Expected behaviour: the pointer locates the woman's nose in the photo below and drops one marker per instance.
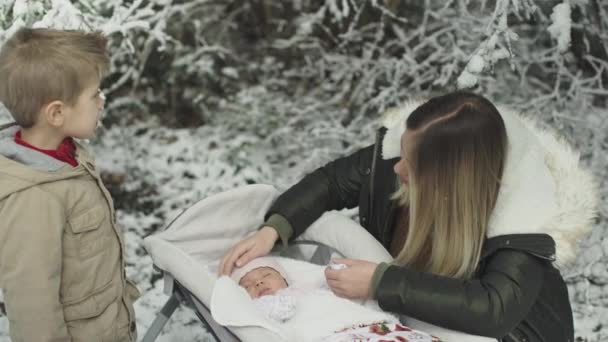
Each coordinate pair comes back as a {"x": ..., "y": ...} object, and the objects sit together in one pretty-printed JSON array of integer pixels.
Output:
[
  {"x": 397, "y": 166},
  {"x": 259, "y": 282},
  {"x": 401, "y": 171}
]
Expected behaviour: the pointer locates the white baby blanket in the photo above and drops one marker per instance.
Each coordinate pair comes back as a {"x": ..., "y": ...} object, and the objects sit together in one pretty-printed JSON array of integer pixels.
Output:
[
  {"x": 189, "y": 249},
  {"x": 319, "y": 313}
]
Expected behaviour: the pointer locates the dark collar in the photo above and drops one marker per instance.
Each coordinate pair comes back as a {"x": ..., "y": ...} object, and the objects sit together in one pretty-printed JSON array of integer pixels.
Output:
[{"x": 540, "y": 245}]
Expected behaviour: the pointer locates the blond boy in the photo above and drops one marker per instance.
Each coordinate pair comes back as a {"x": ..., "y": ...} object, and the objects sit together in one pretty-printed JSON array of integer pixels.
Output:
[{"x": 61, "y": 253}]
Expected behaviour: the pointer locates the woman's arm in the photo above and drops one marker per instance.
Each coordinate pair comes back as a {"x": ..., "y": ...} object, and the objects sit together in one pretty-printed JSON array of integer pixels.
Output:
[
  {"x": 334, "y": 186},
  {"x": 491, "y": 305}
]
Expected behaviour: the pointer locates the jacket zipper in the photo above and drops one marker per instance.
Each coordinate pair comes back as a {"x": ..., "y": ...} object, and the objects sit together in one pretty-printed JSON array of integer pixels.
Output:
[
  {"x": 514, "y": 338},
  {"x": 372, "y": 175},
  {"x": 389, "y": 220},
  {"x": 384, "y": 229}
]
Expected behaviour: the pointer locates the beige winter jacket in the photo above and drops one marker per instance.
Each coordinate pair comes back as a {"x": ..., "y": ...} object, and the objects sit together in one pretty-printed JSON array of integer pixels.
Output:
[{"x": 61, "y": 253}]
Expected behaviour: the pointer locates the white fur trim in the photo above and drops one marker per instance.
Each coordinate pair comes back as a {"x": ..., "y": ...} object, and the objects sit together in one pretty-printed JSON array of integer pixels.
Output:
[
  {"x": 394, "y": 121},
  {"x": 544, "y": 189}
]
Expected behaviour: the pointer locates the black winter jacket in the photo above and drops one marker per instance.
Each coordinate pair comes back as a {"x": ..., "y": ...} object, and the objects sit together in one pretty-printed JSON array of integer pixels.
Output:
[{"x": 516, "y": 294}]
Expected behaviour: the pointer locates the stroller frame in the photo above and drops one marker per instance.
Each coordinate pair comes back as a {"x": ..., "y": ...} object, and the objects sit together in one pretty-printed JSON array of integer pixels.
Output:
[{"x": 182, "y": 296}]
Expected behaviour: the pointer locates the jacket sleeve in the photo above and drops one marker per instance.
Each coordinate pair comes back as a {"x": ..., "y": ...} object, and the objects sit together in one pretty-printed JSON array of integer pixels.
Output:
[
  {"x": 31, "y": 233},
  {"x": 334, "y": 186},
  {"x": 492, "y": 304}
]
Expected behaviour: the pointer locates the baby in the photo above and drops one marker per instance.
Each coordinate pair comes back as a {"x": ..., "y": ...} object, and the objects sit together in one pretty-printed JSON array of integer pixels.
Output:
[
  {"x": 266, "y": 282},
  {"x": 276, "y": 296},
  {"x": 261, "y": 277}
]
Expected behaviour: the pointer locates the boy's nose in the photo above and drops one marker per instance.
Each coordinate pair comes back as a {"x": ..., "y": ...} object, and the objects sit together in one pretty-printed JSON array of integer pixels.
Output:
[{"x": 102, "y": 100}]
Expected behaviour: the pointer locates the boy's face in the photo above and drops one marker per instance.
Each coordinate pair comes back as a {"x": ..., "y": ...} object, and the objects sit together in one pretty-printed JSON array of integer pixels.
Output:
[
  {"x": 82, "y": 117},
  {"x": 262, "y": 281}
]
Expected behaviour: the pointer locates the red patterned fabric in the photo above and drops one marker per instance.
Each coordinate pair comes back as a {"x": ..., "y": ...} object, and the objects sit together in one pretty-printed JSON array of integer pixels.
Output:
[{"x": 381, "y": 332}]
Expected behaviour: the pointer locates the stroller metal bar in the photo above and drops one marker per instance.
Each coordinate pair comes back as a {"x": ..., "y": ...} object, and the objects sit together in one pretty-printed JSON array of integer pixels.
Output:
[
  {"x": 219, "y": 333},
  {"x": 162, "y": 317},
  {"x": 322, "y": 254},
  {"x": 182, "y": 296}
]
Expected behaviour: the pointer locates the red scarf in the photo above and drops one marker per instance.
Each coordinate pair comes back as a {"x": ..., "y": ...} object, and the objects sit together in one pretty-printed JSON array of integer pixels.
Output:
[{"x": 66, "y": 152}]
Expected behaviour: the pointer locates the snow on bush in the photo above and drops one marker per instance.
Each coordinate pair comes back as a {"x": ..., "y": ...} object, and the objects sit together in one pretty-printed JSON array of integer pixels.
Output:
[
  {"x": 207, "y": 95},
  {"x": 561, "y": 26}
]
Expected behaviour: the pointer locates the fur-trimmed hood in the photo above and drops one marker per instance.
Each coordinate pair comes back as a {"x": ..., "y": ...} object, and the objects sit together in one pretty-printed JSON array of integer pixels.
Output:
[{"x": 544, "y": 189}]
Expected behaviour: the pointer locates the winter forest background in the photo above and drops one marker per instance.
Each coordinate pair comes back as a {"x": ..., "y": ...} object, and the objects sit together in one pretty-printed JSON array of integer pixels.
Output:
[{"x": 207, "y": 95}]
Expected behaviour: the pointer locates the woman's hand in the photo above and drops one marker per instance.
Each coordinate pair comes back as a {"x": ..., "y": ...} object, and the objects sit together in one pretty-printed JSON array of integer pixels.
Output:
[
  {"x": 257, "y": 245},
  {"x": 354, "y": 281}
]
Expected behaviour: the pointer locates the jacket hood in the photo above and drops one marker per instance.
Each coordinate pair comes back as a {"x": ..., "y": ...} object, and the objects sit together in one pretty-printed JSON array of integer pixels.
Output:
[
  {"x": 544, "y": 189},
  {"x": 22, "y": 168}
]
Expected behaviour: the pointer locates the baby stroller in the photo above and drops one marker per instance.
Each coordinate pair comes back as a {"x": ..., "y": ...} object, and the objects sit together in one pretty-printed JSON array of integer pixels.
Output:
[
  {"x": 189, "y": 248},
  {"x": 188, "y": 251}
]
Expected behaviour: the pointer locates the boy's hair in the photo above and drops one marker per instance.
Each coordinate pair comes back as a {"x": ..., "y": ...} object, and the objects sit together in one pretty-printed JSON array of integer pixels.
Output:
[{"x": 38, "y": 66}]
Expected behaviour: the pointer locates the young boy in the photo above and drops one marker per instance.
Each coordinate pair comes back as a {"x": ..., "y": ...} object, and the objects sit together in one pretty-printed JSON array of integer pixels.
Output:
[{"x": 62, "y": 265}]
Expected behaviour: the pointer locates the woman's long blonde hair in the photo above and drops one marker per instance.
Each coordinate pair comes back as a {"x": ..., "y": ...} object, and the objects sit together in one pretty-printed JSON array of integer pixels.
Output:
[{"x": 456, "y": 169}]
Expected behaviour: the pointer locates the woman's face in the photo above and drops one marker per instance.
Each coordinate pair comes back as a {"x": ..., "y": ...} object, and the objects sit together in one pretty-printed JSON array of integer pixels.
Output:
[
  {"x": 262, "y": 281},
  {"x": 403, "y": 167}
]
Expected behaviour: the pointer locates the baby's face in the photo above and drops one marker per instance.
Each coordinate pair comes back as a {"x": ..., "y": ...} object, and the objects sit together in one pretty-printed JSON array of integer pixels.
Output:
[{"x": 262, "y": 281}]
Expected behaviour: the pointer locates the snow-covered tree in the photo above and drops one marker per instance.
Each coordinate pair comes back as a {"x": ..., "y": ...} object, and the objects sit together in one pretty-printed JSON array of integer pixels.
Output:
[{"x": 265, "y": 90}]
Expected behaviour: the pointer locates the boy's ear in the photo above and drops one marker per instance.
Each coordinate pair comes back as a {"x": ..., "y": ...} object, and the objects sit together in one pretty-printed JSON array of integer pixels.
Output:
[{"x": 53, "y": 113}]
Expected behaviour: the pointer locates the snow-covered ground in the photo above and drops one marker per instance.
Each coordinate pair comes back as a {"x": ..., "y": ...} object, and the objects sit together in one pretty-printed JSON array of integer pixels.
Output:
[
  {"x": 261, "y": 137},
  {"x": 168, "y": 169}
]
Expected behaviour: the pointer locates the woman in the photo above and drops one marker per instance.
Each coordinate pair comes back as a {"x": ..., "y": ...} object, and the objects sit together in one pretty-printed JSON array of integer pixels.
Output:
[{"x": 471, "y": 222}]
